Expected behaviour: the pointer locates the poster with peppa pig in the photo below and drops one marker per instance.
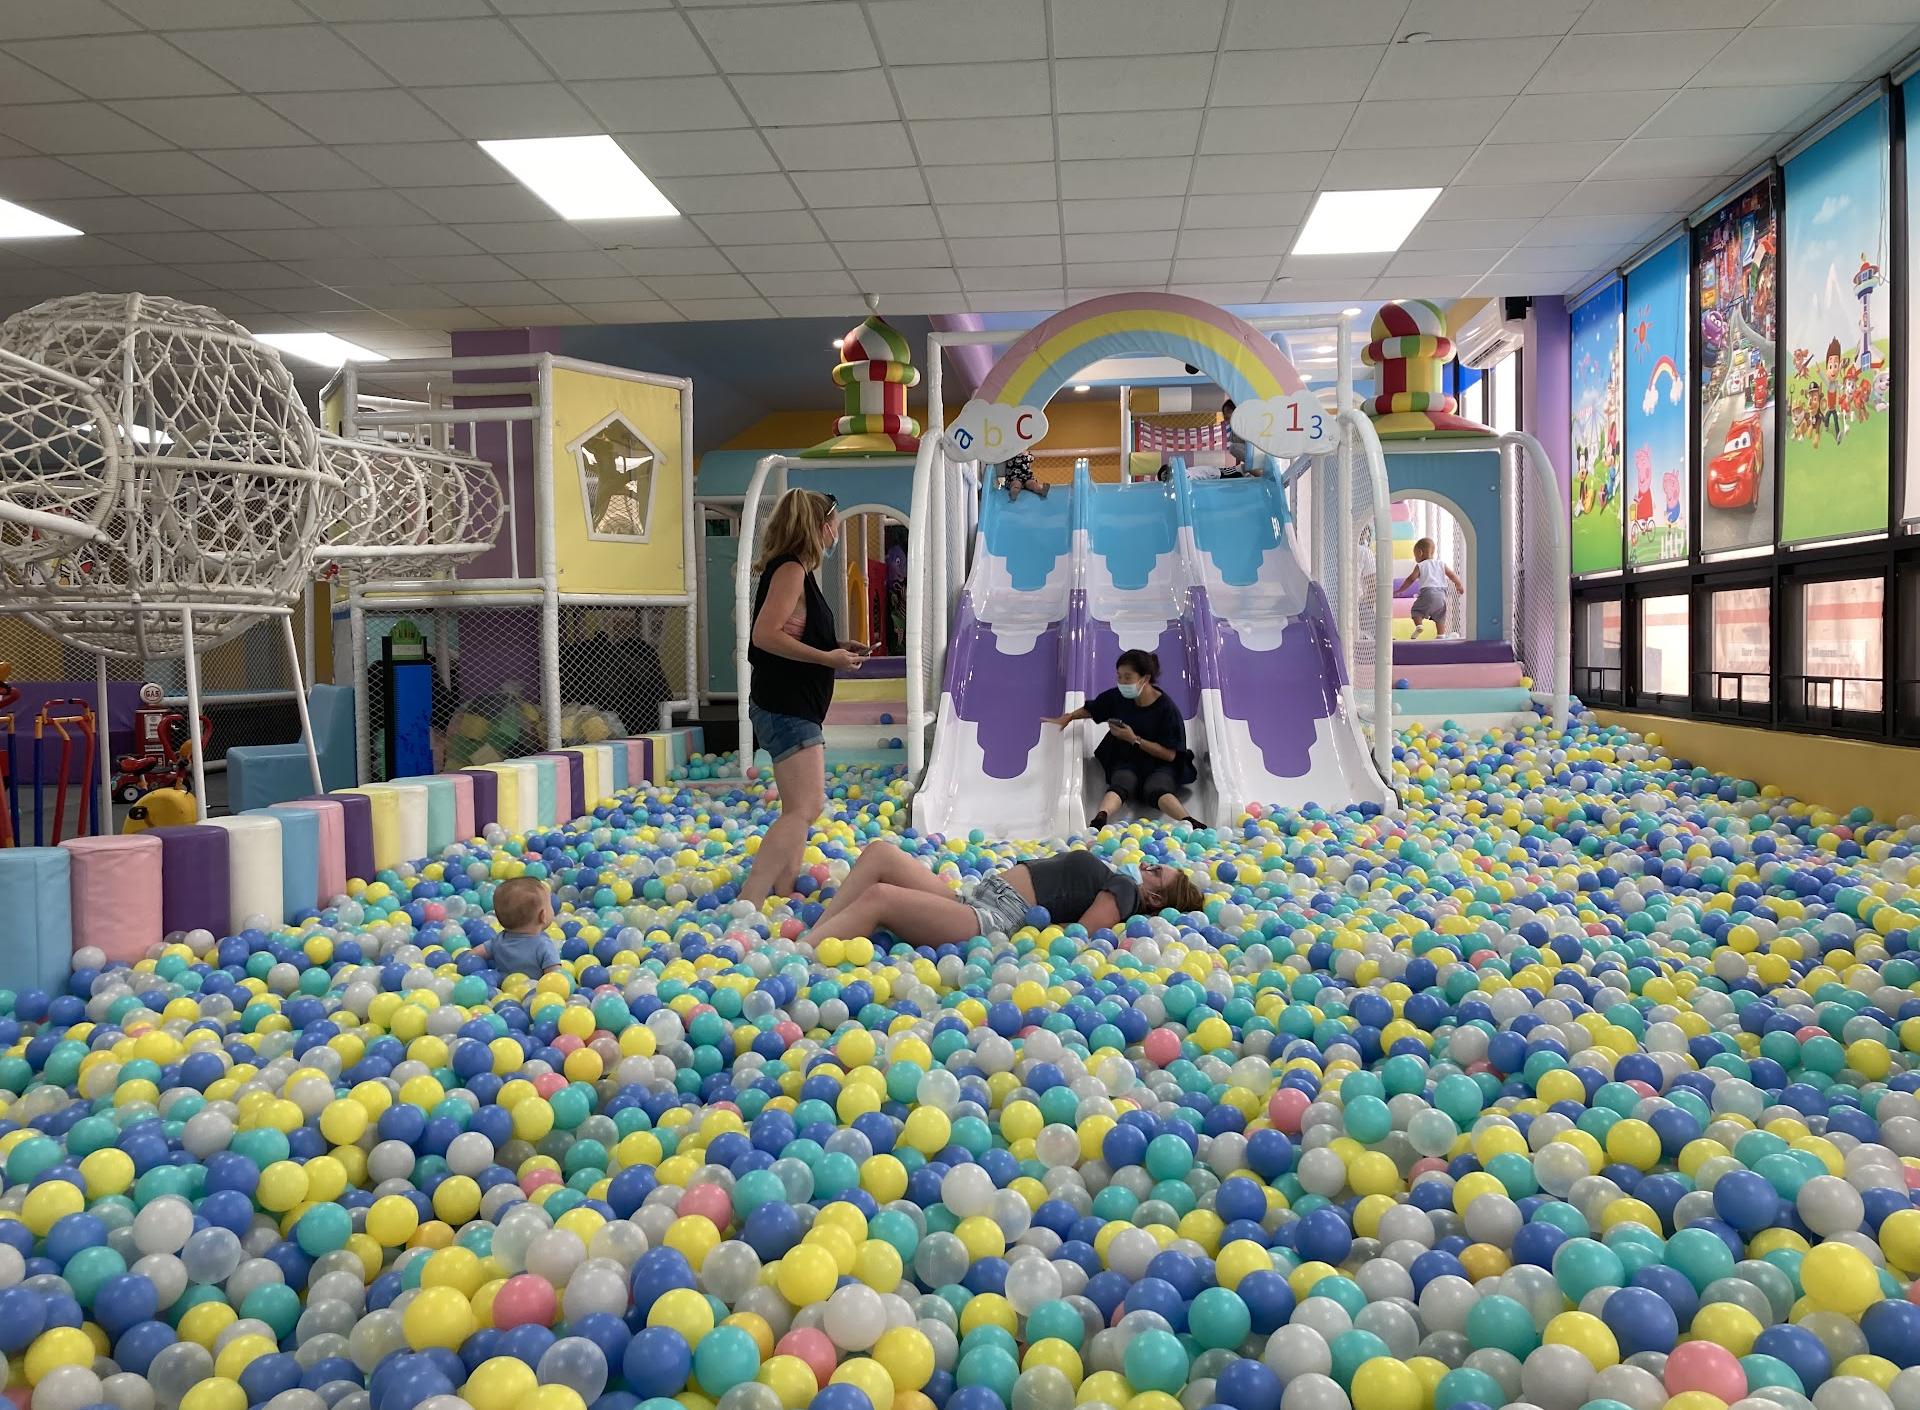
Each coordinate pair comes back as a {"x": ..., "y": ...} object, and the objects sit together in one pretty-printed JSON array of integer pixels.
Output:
[{"x": 1656, "y": 398}]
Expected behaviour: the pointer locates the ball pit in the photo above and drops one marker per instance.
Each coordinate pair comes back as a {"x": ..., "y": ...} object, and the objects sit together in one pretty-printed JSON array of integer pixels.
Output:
[{"x": 1589, "y": 1083}]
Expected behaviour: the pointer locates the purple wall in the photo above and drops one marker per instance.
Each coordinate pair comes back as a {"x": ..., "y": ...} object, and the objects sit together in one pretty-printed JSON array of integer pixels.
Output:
[
  {"x": 1546, "y": 374},
  {"x": 499, "y": 561}
]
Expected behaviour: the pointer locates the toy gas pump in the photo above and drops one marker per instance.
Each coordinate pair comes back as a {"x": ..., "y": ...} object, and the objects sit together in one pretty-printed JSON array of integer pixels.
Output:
[{"x": 163, "y": 749}]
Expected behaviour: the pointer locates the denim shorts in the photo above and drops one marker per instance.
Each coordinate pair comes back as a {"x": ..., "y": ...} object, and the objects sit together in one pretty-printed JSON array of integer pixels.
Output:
[
  {"x": 996, "y": 905},
  {"x": 783, "y": 736}
]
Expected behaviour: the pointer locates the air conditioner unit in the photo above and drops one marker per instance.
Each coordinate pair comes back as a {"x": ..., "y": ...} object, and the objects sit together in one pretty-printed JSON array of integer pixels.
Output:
[{"x": 1499, "y": 328}]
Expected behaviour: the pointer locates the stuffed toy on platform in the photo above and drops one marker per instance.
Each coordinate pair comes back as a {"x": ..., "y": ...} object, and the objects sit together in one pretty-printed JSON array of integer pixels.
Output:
[
  {"x": 1409, "y": 354},
  {"x": 875, "y": 370}
]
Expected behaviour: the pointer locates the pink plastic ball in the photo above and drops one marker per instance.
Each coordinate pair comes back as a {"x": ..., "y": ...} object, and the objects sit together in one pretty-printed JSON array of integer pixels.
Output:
[
  {"x": 789, "y": 1031},
  {"x": 547, "y": 1083},
  {"x": 435, "y": 911},
  {"x": 709, "y": 1200},
  {"x": 812, "y": 1346},
  {"x": 1162, "y": 1047},
  {"x": 534, "y": 1179},
  {"x": 1285, "y": 1109},
  {"x": 523, "y": 1298},
  {"x": 1700, "y": 1365},
  {"x": 566, "y": 1043}
]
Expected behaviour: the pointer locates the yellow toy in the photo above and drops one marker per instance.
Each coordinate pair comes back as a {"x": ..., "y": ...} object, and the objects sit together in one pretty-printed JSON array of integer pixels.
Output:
[{"x": 163, "y": 807}]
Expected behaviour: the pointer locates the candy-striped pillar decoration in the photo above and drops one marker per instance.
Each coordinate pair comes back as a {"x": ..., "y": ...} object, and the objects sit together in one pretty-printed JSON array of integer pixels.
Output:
[
  {"x": 1409, "y": 354},
  {"x": 875, "y": 370}
]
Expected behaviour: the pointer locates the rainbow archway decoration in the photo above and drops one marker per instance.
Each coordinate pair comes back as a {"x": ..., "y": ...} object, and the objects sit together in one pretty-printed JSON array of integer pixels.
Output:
[{"x": 1007, "y": 414}]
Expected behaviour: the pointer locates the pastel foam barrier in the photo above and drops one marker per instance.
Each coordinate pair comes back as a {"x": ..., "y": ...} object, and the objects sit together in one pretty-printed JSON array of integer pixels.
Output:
[
  {"x": 116, "y": 895},
  {"x": 410, "y": 818},
  {"x": 384, "y": 819},
  {"x": 36, "y": 897},
  {"x": 254, "y": 885},
  {"x": 639, "y": 761},
  {"x": 358, "y": 816},
  {"x": 440, "y": 810},
  {"x": 485, "y": 784},
  {"x": 550, "y": 786},
  {"x": 461, "y": 786},
  {"x": 194, "y": 885},
  {"x": 299, "y": 859},
  {"x": 330, "y": 855},
  {"x": 602, "y": 757},
  {"x": 506, "y": 796},
  {"x": 528, "y": 815}
]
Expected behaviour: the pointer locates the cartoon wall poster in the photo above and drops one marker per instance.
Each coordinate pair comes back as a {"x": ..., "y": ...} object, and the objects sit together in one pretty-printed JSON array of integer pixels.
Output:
[
  {"x": 1599, "y": 481},
  {"x": 1736, "y": 275},
  {"x": 1834, "y": 472},
  {"x": 1656, "y": 381}
]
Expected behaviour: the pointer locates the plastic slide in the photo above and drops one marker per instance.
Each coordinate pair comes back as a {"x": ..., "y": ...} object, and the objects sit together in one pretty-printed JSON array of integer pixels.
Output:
[{"x": 1202, "y": 572}]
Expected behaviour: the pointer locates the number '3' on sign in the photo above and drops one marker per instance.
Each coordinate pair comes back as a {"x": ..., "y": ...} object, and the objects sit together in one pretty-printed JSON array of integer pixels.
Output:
[{"x": 1295, "y": 424}]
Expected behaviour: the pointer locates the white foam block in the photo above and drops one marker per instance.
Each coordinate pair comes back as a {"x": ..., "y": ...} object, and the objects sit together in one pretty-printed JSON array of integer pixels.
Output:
[
  {"x": 253, "y": 866},
  {"x": 412, "y": 799}
]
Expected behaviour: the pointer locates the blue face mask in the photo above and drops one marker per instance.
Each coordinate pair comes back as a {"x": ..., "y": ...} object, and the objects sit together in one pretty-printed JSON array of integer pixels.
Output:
[
  {"x": 1128, "y": 869},
  {"x": 1131, "y": 691}
]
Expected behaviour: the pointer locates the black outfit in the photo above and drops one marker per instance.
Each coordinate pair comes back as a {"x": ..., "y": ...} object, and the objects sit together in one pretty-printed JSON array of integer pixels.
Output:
[
  {"x": 1067, "y": 884},
  {"x": 782, "y": 685},
  {"x": 1131, "y": 771}
]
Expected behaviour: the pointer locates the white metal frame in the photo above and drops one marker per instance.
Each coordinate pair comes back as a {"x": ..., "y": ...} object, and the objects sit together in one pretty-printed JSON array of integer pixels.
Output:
[{"x": 437, "y": 421}]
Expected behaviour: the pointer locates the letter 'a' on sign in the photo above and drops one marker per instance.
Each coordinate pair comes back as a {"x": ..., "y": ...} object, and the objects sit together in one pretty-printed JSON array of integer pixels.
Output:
[
  {"x": 1285, "y": 426},
  {"x": 991, "y": 431}
]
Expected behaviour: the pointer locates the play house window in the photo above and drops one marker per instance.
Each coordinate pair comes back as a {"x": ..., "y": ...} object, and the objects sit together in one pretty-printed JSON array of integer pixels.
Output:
[{"x": 616, "y": 481}]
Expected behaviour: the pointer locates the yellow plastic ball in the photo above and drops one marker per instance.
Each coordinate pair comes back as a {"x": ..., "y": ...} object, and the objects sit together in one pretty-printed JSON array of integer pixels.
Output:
[
  {"x": 499, "y": 1383},
  {"x": 1587, "y": 1335},
  {"x": 1839, "y": 1278},
  {"x": 1386, "y": 1384},
  {"x": 907, "y": 1356},
  {"x": 685, "y": 1311},
  {"x": 215, "y": 1393},
  {"x": 440, "y": 1317},
  {"x": 806, "y": 1275}
]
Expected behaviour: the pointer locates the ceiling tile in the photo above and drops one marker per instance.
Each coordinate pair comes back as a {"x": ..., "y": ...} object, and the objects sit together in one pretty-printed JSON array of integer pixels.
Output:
[
  {"x": 1006, "y": 249},
  {"x": 301, "y": 299},
  {"x": 392, "y": 240},
  {"x": 651, "y": 44},
  {"x": 1411, "y": 166},
  {"x": 787, "y": 38},
  {"x": 1491, "y": 19},
  {"x": 894, "y": 186},
  {"x": 1246, "y": 291},
  {"x": 906, "y": 281},
  {"x": 729, "y": 152},
  {"x": 461, "y": 204},
  {"x": 1809, "y": 53},
  {"x": 1148, "y": 273},
  {"x": 1120, "y": 245},
  {"x": 288, "y": 244},
  {"x": 1334, "y": 266},
  {"x": 61, "y": 128},
  {"x": 307, "y": 58},
  {"x": 892, "y": 254},
  {"x": 993, "y": 185},
  {"x": 1228, "y": 267},
  {"x": 630, "y": 310},
  {"x": 701, "y": 286},
  {"x": 692, "y": 259},
  {"x": 386, "y": 296},
  {"x": 1102, "y": 27},
  {"x": 119, "y": 66},
  {"x": 1147, "y": 176},
  {"x": 108, "y": 215},
  {"x": 1115, "y": 85},
  {"x": 1505, "y": 163},
  {"x": 1755, "y": 111},
  {"x": 1574, "y": 117},
  {"x": 482, "y": 292},
  {"x": 1012, "y": 139},
  {"x": 1593, "y": 63},
  {"x": 382, "y": 115},
  {"x": 708, "y": 195},
  {"x": 515, "y": 237},
  {"x": 1595, "y": 229},
  {"x": 972, "y": 90},
  {"x": 1700, "y": 157},
  {"x": 1144, "y": 213},
  {"x": 1012, "y": 276},
  {"x": 1448, "y": 67},
  {"x": 450, "y": 319},
  {"x": 1307, "y": 290},
  {"x": 182, "y": 247},
  {"x": 1001, "y": 218},
  {"x": 1425, "y": 286},
  {"x": 537, "y": 315},
  {"x": 1227, "y": 212},
  {"x": 819, "y": 305},
  {"x": 698, "y": 309},
  {"x": 599, "y": 291},
  {"x": 1042, "y": 300},
  {"x": 776, "y": 259},
  {"x": 30, "y": 178},
  {"x": 357, "y": 207},
  {"x": 1277, "y": 171},
  {"x": 661, "y": 104},
  {"x": 1142, "y": 134},
  {"x": 792, "y": 100},
  {"x": 487, "y": 111},
  {"x": 244, "y": 211},
  {"x": 842, "y": 147},
  {"x": 1835, "y": 11},
  {"x": 1467, "y": 234},
  {"x": 244, "y": 274},
  {"x": 423, "y": 163},
  {"x": 40, "y": 19},
  {"x": 201, "y": 123},
  {"x": 344, "y": 267},
  {"x": 418, "y": 52},
  {"x": 1424, "y": 122},
  {"x": 89, "y": 251},
  {"x": 1340, "y": 74},
  {"x": 1493, "y": 202},
  {"x": 805, "y": 281},
  {"x": 1244, "y": 243},
  {"x": 1455, "y": 262},
  {"x": 1294, "y": 127},
  {"x": 24, "y": 85},
  {"x": 759, "y": 227},
  {"x": 209, "y": 14},
  {"x": 289, "y": 168},
  {"x": 1558, "y": 259},
  {"x": 1629, "y": 15},
  {"x": 1652, "y": 196},
  {"x": 981, "y": 31},
  {"x": 880, "y": 223}
]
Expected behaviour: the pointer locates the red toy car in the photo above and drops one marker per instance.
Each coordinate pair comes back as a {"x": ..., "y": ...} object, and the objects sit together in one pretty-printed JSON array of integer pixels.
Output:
[{"x": 1733, "y": 476}]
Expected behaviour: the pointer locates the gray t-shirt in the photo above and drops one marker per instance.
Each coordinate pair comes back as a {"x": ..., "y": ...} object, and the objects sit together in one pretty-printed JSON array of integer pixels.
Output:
[
  {"x": 1065, "y": 885},
  {"x": 531, "y": 955}
]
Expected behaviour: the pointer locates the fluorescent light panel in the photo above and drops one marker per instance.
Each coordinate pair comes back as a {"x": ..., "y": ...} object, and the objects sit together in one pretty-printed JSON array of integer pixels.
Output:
[
  {"x": 325, "y": 349},
  {"x": 1363, "y": 222},
  {"x": 582, "y": 178},
  {"x": 19, "y": 223}
]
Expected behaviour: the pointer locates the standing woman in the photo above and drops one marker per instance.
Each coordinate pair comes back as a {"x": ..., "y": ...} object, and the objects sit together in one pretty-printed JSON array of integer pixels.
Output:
[{"x": 793, "y": 653}]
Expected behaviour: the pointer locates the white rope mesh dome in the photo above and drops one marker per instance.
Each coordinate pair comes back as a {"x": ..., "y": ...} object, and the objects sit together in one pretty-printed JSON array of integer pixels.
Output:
[
  {"x": 222, "y": 503},
  {"x": 410, "y": 512},
  {"x": 59, "y": 468}
]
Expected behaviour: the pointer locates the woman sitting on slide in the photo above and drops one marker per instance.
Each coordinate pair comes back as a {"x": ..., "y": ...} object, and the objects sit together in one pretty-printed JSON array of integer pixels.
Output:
[
  {"x": 1145, "y": 754},
  {"x": 888, "y": 890}
]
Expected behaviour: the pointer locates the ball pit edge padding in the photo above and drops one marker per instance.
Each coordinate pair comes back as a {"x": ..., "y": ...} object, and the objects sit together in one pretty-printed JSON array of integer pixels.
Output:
[
  {"x": 409, "y": 818},
  {"x": 357, "y": 811},
  {"x": 440, "y": 808},
  {"x": 486, "y": 800},
  {"x": 299, "y": 859},
  {"x": 330, "y": 856},
  {"x": 36, "y": 897},
  {"x": 195, "y": 892},
  {"x": 116, "y": 894},
  {"x": 550, "y": 789},
  {"x": 383, "y": 823},
  {"x": 254, "y": 885}
]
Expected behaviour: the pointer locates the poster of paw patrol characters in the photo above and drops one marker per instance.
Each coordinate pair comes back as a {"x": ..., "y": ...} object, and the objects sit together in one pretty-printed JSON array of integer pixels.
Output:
[
  {"x": 1736, "y": 265},
  {"x": 1656, "y": 344},
  {"x": 1834, "y": 473},
  {"x": 1598, "y": 487}
]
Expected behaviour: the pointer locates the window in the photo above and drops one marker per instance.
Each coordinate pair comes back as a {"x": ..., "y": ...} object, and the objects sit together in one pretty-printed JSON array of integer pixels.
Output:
[
  {"x": 1663, "y": 647},
  {"x": 1741, "y": 656},
  {"x": 1840, "y": 658},
  {"x": 1473, "y": 395},
  {"x": 1505, "y": 377},
  {"x": 616, "y": 481},
  {"x": 1597, "y": 675}
]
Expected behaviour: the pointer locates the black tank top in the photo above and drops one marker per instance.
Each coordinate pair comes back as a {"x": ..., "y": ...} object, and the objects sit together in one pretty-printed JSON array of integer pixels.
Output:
[{"x": 782, "y": 685}]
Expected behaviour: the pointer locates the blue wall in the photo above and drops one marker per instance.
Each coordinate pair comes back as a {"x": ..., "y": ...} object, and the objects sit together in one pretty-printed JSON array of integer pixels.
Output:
[{"x": 1471, "y": 479}]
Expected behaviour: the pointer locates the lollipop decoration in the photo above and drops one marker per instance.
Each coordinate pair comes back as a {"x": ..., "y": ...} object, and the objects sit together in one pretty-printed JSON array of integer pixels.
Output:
[
  {"x": 1409, "y": 354},
  {"x": 875, "y": 370}
]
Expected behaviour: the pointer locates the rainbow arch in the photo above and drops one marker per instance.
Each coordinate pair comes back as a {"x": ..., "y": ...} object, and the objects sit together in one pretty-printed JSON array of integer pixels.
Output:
[{"x": 1234, "y": 354}]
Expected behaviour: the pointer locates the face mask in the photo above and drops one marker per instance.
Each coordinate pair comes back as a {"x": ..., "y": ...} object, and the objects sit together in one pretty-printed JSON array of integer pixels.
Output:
[
  {"x": 1131, "y": 692},
  {"x": 1128, "y": 869}
]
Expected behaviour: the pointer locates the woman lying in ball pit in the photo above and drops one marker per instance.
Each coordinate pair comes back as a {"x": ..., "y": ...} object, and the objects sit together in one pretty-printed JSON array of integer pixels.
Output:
[{"x": 891, "y": 891}]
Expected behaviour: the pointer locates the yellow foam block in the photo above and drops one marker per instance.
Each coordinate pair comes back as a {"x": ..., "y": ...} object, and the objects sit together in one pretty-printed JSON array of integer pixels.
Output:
[
  {"x": 506, "y": 800},
  {"x": 388, "y": 848}
]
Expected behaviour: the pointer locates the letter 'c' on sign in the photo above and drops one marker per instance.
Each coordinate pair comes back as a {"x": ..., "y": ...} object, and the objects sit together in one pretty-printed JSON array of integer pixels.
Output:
[{"x": 1020, "y": 426}]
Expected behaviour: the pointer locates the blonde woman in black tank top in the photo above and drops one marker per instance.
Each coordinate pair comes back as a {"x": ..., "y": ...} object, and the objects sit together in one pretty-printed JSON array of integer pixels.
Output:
[{"x": 792, "y": 655}]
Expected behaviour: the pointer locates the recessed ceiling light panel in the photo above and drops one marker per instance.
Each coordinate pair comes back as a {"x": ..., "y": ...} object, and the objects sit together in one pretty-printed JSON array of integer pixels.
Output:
[
  {"x": 582, "y": 178},
  {"x": 1363, "y": 222},
  {"x": 323, "y": 349},
  {"x": 19, "y": 223}
]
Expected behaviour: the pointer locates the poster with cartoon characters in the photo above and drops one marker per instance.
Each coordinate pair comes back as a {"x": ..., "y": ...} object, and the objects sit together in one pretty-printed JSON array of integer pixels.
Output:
[
  {"x": 1599, "y": 486},
  {"x": 1736, "y": 275},
  {"x": 1656, "y": 343},
  {"x": 1910, "y": 93},
  {"x": 1834, "y": 473}
]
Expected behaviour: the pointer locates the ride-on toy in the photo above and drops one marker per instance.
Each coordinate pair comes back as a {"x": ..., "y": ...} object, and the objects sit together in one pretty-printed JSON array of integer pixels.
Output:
[{"x": 165, "y": 745}]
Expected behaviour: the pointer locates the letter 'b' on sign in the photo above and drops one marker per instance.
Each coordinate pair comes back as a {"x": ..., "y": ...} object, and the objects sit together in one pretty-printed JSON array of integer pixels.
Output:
[
  {"x": 992, "y": 431},
  {"x": 1296, "y": 424}
]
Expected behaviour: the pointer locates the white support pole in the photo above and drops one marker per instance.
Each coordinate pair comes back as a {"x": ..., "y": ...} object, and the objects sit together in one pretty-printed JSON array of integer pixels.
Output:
[
  {"x": 300, "y": 704},
  {"x": 362, "y": 725},
  {"x": 1553, "y": 548},
  {"x": 102, "y": 744},
  {"x": 743, "y": 601},
  {"x": 548, "y": 553},
  {"x": 1368, "y": 446},
  {"x": 191, "y": 659},
  {"x": 1126, "y": 434},
  {"x": 690, "y": 573},
  {"x": 919, "y": 551}
]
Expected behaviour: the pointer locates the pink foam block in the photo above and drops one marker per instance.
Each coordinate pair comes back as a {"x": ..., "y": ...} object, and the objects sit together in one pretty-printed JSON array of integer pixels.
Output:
[
  {"x": 462, "y": 804},
  {"x": 116, "y": 895}
]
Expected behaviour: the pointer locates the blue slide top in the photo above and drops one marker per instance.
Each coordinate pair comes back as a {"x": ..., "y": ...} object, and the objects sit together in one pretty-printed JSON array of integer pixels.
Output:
[
  {"x": 1030, "y": 535},
  {"x": 1235, "y": 522},
  {"x": 1133, "y": 527}
]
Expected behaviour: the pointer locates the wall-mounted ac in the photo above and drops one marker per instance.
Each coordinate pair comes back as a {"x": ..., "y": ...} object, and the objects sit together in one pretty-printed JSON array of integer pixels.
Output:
[{"x": 1499, "y": 328}]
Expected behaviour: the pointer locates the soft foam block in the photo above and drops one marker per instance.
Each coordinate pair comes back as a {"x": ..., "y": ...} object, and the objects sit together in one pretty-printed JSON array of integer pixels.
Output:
[
  {"x": 194, "y": 886},
  {"x": 116, "y": 894},
  {"x": 299, "y": 859},
  {"x": 36, "y": 942},
  {"x": 410, "y": 817},
  {"x": 330, "y": 856},
  {"x": 254, "y": 884}
]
